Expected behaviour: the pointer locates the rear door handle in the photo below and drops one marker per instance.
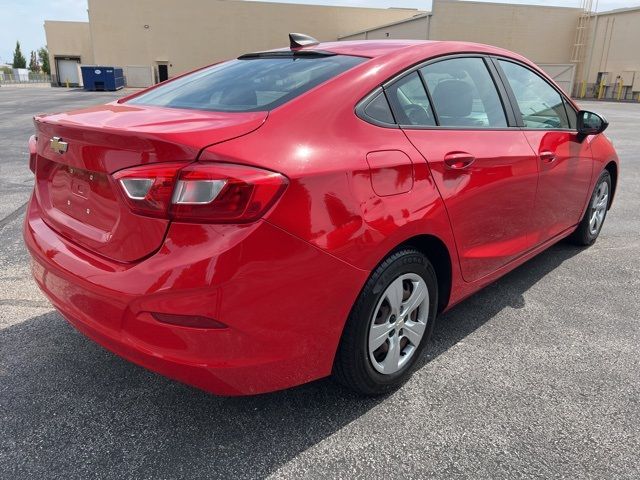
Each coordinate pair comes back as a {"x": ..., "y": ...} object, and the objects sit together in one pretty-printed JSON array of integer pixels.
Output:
[
  {"x": 459, "y": 160},
  {"x": 547, "y": 157}
]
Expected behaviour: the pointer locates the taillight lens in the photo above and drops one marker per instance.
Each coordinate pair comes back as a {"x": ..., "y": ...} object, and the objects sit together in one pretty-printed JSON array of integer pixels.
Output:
[
  {"x": 33, "y": 154},
  {"x": 148, "y": 189},
  {"x": 224, "y": 193},
  {"x": 201, "y": 192}
]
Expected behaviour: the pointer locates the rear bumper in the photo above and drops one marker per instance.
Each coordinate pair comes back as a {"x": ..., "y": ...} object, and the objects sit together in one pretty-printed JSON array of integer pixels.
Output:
[{"x": 283, "y": 300}]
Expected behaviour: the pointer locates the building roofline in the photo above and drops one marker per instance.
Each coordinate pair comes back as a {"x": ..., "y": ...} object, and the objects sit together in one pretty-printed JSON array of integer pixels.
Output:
[
  {"x": 320, "y": 5},
  {"x": 397, "y": 22},
  {"x": 619, "y": 10},
  {"x": 505, "y": 4},
  {"x": 66, "y": 21}
]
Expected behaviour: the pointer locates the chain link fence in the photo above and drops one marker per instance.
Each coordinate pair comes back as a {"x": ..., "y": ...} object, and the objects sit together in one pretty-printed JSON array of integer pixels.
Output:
[{"x": 11, "y": 79}]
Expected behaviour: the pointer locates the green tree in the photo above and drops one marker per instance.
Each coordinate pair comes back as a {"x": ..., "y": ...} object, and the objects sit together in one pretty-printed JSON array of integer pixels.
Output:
[
  {"x": 43, "y": 55},
  {"x": 34, "y": 66},
  {"x": 18, "y": 59}
]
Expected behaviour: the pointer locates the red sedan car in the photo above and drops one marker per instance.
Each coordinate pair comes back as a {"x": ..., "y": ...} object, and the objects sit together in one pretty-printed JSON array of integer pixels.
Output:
[{"x": 291, "y": 214}]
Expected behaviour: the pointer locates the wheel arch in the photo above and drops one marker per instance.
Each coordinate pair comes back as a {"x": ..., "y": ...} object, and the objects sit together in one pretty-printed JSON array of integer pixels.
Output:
[
  {"x": 612, "y": 168},
  {"x": 440, "y": 257}
]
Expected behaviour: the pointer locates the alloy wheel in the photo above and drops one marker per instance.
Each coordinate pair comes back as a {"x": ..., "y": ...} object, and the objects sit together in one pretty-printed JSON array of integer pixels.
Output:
[
  {"x": 599, "y": 208},
  {"x": 399, "y": 323}
]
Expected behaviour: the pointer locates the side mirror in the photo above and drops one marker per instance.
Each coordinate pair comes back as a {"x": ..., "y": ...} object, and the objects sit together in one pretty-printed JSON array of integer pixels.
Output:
[{"x": 590, "y": 123}]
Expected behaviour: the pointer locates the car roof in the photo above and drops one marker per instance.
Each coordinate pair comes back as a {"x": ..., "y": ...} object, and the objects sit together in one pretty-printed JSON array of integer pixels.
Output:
[
  {"x": 368, "y": 48},
  {"x": 379, "y": 48},
  {"x": 407, "y": 48}
]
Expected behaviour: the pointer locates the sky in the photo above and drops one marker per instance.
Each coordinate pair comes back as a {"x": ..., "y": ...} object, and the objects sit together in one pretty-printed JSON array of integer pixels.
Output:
[{"x": 23, "y": 19}]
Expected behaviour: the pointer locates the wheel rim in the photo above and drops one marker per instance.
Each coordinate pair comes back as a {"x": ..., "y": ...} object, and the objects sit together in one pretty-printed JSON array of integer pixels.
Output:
[
  {"x": 599, "y": 208},
  {"x": 399, "y": 323}
]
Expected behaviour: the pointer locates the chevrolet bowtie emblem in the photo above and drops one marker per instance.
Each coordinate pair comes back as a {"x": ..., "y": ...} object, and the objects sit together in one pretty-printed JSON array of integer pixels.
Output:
[{"x": 58, "y": 146}]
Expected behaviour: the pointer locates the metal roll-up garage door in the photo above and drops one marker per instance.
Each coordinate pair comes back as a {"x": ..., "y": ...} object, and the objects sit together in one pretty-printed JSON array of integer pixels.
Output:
[{"x": 68, "y": 71}]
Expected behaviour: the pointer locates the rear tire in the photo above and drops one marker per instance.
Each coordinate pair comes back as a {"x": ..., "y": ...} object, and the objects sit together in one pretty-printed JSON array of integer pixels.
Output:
[
  {"x": 389, "y": 325},
  {"x": 591, "y": 224}
]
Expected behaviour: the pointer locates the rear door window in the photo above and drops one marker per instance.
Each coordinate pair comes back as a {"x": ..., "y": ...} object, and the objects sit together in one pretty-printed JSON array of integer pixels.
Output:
[
  {"x": 247, "y": 85},
  {"x": 464, "y": 94},
  {"x": 410, "y": 102}
]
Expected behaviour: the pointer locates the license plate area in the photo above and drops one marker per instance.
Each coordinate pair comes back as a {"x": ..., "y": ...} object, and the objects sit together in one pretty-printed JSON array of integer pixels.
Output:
[{"x": 81, "y": 194}]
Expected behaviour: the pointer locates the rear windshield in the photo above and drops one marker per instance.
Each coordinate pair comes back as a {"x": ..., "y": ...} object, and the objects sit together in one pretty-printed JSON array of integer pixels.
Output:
[{"x": 246, "y": 85}]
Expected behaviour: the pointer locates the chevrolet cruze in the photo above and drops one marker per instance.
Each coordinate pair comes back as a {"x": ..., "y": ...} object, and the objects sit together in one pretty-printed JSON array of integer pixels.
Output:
[{"x": 292, "y": 214}]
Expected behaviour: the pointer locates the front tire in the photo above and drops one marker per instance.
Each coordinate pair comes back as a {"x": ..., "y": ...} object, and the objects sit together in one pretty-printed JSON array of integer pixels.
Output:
[
  {"x": 389, "y": 325},
  {"x": 591, "y": 224}
]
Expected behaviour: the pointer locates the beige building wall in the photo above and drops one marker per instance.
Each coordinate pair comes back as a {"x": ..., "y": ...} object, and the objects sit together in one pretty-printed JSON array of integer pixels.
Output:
[
  {"x": 413, "y": 29},
  {"x": 68, "y": 39},
  {"x": 542, "y": 34},
  {"x": 614, "y": 47},
  {"x": 194, "y": 33}
]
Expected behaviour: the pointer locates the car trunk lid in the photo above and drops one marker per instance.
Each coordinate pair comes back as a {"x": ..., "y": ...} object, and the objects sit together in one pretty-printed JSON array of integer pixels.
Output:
[{"x": 78, "y": 151}]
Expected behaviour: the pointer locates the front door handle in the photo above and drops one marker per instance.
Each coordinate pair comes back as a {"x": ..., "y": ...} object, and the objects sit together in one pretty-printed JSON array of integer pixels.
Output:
[
  {"x": 459, "y": 160},
  {"x": 547, "y": 156}
]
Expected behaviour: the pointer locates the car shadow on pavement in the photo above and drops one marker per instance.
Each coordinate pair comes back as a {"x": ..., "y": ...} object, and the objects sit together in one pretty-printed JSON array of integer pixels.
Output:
[
  {"x": 69, "y": 408},
  {"x": 506, "y": 292}
]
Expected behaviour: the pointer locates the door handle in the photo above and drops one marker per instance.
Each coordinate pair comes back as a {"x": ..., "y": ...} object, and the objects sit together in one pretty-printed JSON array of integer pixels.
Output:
[
  {"x": 547, "y": 157},
  {"x": 459, "y": 160}
]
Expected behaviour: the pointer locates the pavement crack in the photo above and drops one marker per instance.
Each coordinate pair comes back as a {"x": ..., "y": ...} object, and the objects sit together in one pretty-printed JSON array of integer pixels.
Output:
[{"x": 17, "y": 302}]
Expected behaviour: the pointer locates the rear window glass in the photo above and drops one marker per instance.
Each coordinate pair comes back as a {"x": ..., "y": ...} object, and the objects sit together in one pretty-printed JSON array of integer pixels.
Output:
[
  {"x": 378, "y": 109},
  {"x": 247, "y": 85}
]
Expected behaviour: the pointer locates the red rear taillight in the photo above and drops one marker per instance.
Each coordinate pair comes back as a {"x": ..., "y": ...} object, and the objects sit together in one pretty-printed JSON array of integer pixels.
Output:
[
  {"x": 224, "y": 193},
  {"x": 148, "y": 189},
  {"x": 201, "y": 192},
  {"x": 32, "y": 153}
]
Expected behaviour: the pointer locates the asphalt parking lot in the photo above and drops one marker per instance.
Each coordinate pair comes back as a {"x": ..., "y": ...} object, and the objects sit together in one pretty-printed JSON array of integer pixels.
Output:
[{"x": 537, "y": 376}]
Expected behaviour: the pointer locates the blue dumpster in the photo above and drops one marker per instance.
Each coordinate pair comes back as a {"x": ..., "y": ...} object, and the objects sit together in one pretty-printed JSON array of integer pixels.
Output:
[{"x": 102, "y": 78}]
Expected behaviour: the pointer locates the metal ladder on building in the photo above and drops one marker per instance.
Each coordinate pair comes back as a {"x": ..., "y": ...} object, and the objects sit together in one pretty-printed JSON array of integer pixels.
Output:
[{"x": 580, "y": 45}]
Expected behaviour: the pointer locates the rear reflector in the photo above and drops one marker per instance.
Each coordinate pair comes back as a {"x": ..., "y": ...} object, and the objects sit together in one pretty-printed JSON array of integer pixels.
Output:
[
  {"x": 193, "y": 321},
  {"x": 32, "y": 153},
  {"x": 201, "y": 192}
]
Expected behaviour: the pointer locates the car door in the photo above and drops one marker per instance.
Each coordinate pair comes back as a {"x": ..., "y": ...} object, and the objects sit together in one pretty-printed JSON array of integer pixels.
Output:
[
  {"x": 565, "y": 161},
  {"x": 452, "y": 112}
]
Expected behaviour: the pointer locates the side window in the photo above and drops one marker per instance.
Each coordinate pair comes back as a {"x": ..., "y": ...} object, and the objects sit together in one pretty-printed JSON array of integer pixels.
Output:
[
  {"x": 540, "y": 104},
  {"x": 409, "y": 101},
  {"x": 378, "y": 109},
  {"x": 464, "y": 94}
]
